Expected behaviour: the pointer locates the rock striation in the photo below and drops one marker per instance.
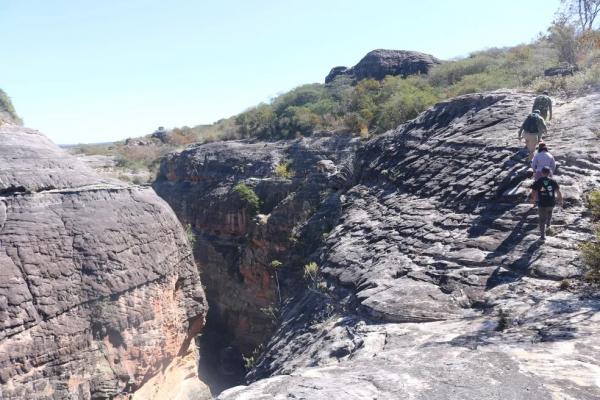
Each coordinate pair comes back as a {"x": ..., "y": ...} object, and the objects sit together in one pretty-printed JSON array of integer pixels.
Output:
[
  {"x": 433, "y": 284},
  {"x": 377, "y": 64},
  {"x": 99, "y": 290}
]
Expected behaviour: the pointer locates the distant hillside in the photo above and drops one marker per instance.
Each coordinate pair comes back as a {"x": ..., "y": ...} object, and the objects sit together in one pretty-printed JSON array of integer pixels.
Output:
[
  {"x": 353, "y": 101},
  {"x": 7, "y": 111}
]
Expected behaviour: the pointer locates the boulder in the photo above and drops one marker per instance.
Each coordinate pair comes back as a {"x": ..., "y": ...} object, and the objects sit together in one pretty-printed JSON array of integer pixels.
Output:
[
  {"x": 161, "y": 134},
  {"x": 561, "y": 70},
  {"x": 99, "y": 289},
  {"x": 377, "y": 64}
]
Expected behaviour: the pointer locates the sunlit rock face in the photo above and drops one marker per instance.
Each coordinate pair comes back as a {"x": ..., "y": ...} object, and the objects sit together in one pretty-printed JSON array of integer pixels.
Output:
[
  {"x": 435, "y": 283},
  {"x": 98, "y": 289}
]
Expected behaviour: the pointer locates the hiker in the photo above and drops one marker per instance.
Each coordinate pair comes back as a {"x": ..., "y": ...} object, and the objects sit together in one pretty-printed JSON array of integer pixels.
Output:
[
  {"x": 545, "y": 191},
  {"x": 535, "y": 128},
  {"x": 543, "y": 103},
  {"x": 542, "y": 159}
]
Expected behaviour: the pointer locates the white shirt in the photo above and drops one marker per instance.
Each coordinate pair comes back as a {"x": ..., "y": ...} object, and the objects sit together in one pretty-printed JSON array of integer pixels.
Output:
[{"x": 543, "y": 159}]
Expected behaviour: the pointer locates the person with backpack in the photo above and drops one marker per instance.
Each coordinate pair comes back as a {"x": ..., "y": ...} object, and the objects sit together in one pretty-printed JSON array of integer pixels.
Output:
[
  {"x": 543, "y": 103},
  {"x": 545, "y": 192},
  {"x": 534, "y": 128},
  {"x": 542, "y": 159}
]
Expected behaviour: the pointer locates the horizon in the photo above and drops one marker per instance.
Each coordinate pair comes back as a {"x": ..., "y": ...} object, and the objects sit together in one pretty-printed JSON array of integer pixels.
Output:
[{"x": 90, "y": 73}]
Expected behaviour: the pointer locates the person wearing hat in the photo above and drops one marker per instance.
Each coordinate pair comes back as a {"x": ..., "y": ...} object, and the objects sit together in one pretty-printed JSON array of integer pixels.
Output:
[
  {"x": 542, "y": 159},
  {"x": 543, "y": 103},
  {"x": 534, "y": 128},
  {"x": 545, "y": 192}
]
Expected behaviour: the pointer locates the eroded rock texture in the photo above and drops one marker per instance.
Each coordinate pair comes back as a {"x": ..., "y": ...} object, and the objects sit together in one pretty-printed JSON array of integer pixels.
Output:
[
  {"x": 377, "y": 64},
  {"x": 234, "y": 249},
  {"x": 98, "y": 287},
  {"x": 436, "y": 284}
]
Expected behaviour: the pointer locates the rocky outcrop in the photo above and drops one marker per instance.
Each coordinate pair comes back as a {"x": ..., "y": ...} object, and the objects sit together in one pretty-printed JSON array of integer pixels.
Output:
[
  {"x": 99, "y": 290},
  {"x": 433, "y": 283},
  {"x": 561, "y": 70},
  {"x": 234, "y": 249},
  {"x": 377, "y": 64}
]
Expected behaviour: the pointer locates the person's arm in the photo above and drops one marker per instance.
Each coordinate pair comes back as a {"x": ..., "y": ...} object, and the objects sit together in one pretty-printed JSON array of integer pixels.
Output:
[
  {"x": 552, "y": 164},
  {"x": 550, "y": 110},
  {"x": 559, "y": 197},
  {"x": 533, "y": 196},
  {"x": 521, "y": 130},
  {"x": 541, "y": 127}
]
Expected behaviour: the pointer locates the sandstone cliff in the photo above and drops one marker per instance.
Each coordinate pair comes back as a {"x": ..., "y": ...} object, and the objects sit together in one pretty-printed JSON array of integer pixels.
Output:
[
  {"x": 99, "y": 291},
  {"x": 234, "y": 249},
  {"x": 434, "y": 283}
]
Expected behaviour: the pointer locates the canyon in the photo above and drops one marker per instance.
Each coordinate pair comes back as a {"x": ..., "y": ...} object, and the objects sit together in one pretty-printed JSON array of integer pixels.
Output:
[{"x": 407, "y": 265}]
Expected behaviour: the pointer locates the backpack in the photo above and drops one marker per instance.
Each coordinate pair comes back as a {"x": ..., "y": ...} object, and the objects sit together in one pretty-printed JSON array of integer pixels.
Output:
[
  {"x": 541, "y": 103},
  {"x": 530, "y": 125}
]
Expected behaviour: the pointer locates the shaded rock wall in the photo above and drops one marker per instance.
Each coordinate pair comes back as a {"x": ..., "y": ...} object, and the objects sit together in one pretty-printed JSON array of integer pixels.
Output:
[
  {"x": 99, "y": 290},
  {"x": 436, "y": 284},
  {"x": 234, "y": 249}
]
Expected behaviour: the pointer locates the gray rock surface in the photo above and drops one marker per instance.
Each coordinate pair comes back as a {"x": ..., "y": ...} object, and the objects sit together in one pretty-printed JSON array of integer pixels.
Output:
[
  {"x": 561, "y": 70},
  {"x": 234, "y": 249},
  {"x": 435, "y": 283},
  {"x": 99, "y": 289},
  {"x": 377, "y": 64}
]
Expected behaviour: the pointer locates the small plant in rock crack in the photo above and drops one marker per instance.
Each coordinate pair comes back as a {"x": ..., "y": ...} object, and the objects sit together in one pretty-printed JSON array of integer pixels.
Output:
[
  {"x": 276, "y": 266},
  {"x": 250, "y": 361},
  {"x": 312, "y": 274},
  {"x": 565, "y": 284},
  {"x": 248, "y": 197},
  {"x": 191, "y": 236},
  {"x": 503, "y": 320},
  {"x": 271, "y": 312},
  {"x": 284, "y": 169}
]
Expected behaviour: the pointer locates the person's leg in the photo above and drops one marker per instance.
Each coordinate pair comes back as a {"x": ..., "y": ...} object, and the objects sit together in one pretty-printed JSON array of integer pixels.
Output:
[
  {"x": 549, "y": 216},
  {"x": 531, "y": 142},
  {"x": 544, "y": 114},
  {"x": 542, "y": 222}
]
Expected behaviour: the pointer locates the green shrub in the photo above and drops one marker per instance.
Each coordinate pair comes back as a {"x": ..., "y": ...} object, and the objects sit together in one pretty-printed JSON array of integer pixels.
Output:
[
  {"x": 7, "y": 107},
  {"x": 590, "y": 251},
  {"x": 284, "y": 169},
  {"x": 258, "y": 121},
  {"x": 311, "y": 272},
  {"x": 449, "y": 73},
  {"x": 248, "y": 197}
]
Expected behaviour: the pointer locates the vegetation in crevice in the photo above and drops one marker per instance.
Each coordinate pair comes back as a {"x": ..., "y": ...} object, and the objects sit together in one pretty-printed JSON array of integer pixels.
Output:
[
  {"x": 248, "y": 197},
  {"x": 7, "y": 108},
  {"x": 590, "y": 250}
]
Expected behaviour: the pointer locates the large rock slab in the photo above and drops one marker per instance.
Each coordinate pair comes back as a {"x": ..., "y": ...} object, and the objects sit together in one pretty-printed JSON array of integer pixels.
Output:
[
  {"x": 435, "y": 283},
  {"x": 99, "y": 290}
]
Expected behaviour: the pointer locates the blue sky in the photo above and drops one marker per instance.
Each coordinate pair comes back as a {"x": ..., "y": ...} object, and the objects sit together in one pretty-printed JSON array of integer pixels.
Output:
[{"x": 89, "y": 71}]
